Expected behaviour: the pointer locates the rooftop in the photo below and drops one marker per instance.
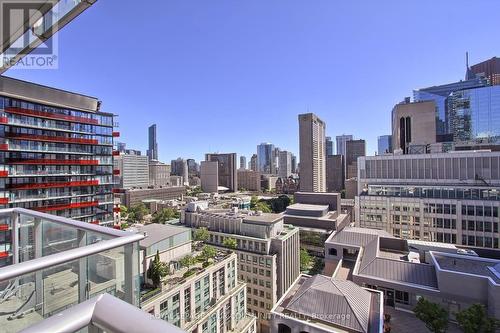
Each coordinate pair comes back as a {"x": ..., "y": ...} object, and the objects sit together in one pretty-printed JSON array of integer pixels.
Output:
[
  {"x": 488, "y": 268},
  {"x": 308, "y": 207},
  {"x": 263, "y": 218},
  {"x": 155, "y": 232},
  {"x": 355, "y": 236}
]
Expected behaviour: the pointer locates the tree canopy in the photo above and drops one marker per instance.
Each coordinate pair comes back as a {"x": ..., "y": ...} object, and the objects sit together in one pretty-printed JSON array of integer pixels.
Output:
[
  {"x": 137, "y": 212},
  {"x": 475, "y": 320},
  {"x": 230, "y": 243},
  {"x": 157, "y": 270},
  {"x": 165, "y": 214},
  {"x": 434, "y": 316},
  {"x": 201, "y": 234}
]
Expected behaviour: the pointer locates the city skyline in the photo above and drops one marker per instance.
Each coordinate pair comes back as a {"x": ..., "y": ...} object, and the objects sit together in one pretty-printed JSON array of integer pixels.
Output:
[{"x": 226, "y": 86}]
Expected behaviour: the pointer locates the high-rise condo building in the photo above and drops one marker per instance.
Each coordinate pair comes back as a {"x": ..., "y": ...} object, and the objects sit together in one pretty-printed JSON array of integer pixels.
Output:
[
  {"x": 243, "y": 162},
  {"x": 133, "y": 171},
  {"x": 341, "y": 140},
  {"x": 335, "y": 173},
  {"x": 152, "y": 143},
  {"x": 266, "y": 161},
  {"x": 285, "y": 164},
  {"x": 227, "y": 170},
  {"x": 329, "y": 146},
  {"x": 253, "y": 163},
  {"x": 179, "y": 167},
  {"x": 56, "y": 152},
  {"x": 209, "y": 174},
  {"x": 294, "y": 163},
  {"x": 268, "y": 251},
  {"x": 354, "y": 149},
  {"x": 312, "y": 153},
  {"x": 443, "y": 197},
  {"x": 384, "y": 144}
]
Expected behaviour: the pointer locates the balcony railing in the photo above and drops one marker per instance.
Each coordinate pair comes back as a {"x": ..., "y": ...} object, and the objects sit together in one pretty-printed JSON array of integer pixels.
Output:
[
  {"x": 51, "y": 115},
  {"x": 51, "y": 138}
]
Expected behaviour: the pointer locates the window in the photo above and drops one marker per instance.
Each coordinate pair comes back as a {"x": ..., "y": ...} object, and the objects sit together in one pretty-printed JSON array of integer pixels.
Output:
[{"x": 332, "y": 252}]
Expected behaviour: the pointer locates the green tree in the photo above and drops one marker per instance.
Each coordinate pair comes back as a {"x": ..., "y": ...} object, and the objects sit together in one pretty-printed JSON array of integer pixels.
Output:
[
  {"x": 263, "y": 207},
  {"x": 201, "y": 235},
  {"x": 157, "y": 270},
  {"x": 475, "y": 320},
  {"x": 164, "y": 215},
  {"x": 434, "y": 316},
  {"x": 305, "y": 259},
  {"x": 123, "y": 210},
  {"x": 253, "y": 201},
  {"x": 187, "y": 261},
  {"x": 230, "y": 243},
  {"x": 194, "y": 191},
  {"x": 208, "y": 252},
  {"x": 280, "y": 203},
  {"x": 137, "y": 212}
]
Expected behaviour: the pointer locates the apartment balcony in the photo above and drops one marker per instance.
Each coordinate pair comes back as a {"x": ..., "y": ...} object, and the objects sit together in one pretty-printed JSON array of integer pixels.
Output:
[
  {"x": 48, "y": 161},
  {"x": 51, "y": 138},
  {"x": 51, "y": 115},
  {"x": 67, "y": 276},
  {"x": 31, "y": 186},
  {"x": 67, "y": 206},
  {"x": 37, "y": 123}
]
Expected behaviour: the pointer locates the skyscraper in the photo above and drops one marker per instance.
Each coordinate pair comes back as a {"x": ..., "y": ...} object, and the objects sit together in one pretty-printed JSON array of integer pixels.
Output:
[
  {"x": 489, "y": 69},
  {"x": 227, "y": 170},
  {"x": 179, "y": 167},
  {"x": 329, "y": 146},
  {"x": 354, "y": 149},
  {"x": 266, "y": 162},
  {"x": 243, "y": 162},
  {"x": 335, "y": 173},
  {"x": 384, "y": 143},
  {"x": 285, "y": 164},
  {"x": 253, "y": 163},
  {"x": 312, "y": 153},
  {"x": 294, "y": 163},
  {"x": 341, "y": 140},
  {"x": 153, "y": 145}
]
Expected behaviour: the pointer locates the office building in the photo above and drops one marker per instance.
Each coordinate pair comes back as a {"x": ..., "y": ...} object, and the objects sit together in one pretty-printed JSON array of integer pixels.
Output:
[
  {"x": 133, "y": 171},
  {"x": 193, "y": 168},
  {"x": 209, "y": 173},
  {"x": 132, "y": 197},
  {"x": 268, "y": 252},
  {"x": 179, "y": 167},
  {"x": 354, "y": 149},
  {"x": 442, "y": 197},
  {"x": 249, "y": 180},
  {"x": 320, "y": 304},
  {"x": 56, "y": 152},
  {"x": 243, "y": 162},
  {"x": 266, "y": 158},
  {"x": 490, "y": 69},
  {"x": 341, "y": 140},
  {"x": 285, "y": 164},
  {"x": 159, "y": 174},
  {"x": 152, "y": 143},
  {"x": 227, "y": 170},
  {"x": 121, "y": 147},
  {"x": 335, "y": 173},
  {"x": 44, "y": 286},
  {"x": 294, "y": 164},
  {"x": 413, "y": 126},
  {"x": 329, "y": 146},
  {"x": 405, "y": 270},
  {"x": 253, "y": 163},
  {"x": 210, "y": 299},
  {"x": 312, "y": 153},
  {"x": 384, "y": 144}
]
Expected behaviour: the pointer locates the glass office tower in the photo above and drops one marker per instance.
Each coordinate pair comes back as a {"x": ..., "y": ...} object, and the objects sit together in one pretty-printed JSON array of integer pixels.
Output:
[{"x": 266, "y": 158}]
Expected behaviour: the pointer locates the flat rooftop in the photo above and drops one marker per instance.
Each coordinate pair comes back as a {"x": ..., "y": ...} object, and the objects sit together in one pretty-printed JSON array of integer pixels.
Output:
[
  {"x": 264, "y": 218},
  {"x": 157, "y": 232},
  {"x": 308, "y": 207},
  {"x": 468, "y": 265}
]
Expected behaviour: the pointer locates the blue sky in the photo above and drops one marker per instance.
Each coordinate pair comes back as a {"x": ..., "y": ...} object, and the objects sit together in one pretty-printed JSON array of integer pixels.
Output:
[{"x": 227, "y": 75}]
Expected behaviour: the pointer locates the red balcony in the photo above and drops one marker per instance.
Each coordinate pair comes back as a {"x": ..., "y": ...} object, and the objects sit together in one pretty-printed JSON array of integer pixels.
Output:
[
  {"x": 51, "y": 115},
  {"x": 4, "y": 146},
  {"x": 4, "y": 201},
  {"x": 4, "y": 254},
  {"x": 116, "y": 134},
  {"x": 52, "y": 185},
  {"x": 118, "y": 190},
  {"x": 67, "y": 206},
  {"x": 116, "y": 153},
  {"x": 116, "y": 210},
  {"x": 4, "y": 227},
  {"x": 52, "y": 162},
  {"x": 48, "y": 138},
  {"x": 116, "y": 172},
  {"x": 4, "y": 120},
  {"x": 4, "y": 174},
  {"x": 95, "y": 222}
]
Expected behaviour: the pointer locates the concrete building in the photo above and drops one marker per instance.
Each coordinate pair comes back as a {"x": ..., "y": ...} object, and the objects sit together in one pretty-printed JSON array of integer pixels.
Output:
[
  {"x": 253, "y": 163},
  {"x": 152, "y": 143},
  {"x": 329, "y": 146},
  {"x": 268, "y": 182},
  {"x": 285, "y": 164},
  {"x": 133, "y": 171},
  {"x": 288, "y": 185},
  {"x": 341, "y": 140},
  {"x": 335, "y": 173},
  {"x": 179, "y": 167},
  {"x": 268, "y": 252},
  {"x": 413, "y": 124},
  {"x": 56, "y": 152},
  {"x": 354, "y": 149},
  {"x": 132, "y": 197},
  {"x": 406, "y": 270},
  {"x": 227, "y": 170},
  {"x": 444, "y": 197},
  {"x": 320, "y": 304},
  {"x": 266, "y": 158},
  {"x": 209, "y": 174},
  {"x": 159, "y": 174},
  {"x": 210, "y": 299},
  {"x": 351, "y": 188},
  {"x": 384, "y": 144},
  {"x": 294, "y": 164},
  {"x": 249, "y": 180},
  {"x": 312, "y": 153},
  {"x": 176, "y": 181},
  {"x": 489, "y": 69},
  {"x": 243, "y": 162}
]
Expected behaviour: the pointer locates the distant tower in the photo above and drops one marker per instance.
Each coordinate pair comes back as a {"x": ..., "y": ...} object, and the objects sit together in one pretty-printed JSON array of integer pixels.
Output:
[
  {"x": 312, "y": 152},
  {"x": 153, "y": 145}
]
